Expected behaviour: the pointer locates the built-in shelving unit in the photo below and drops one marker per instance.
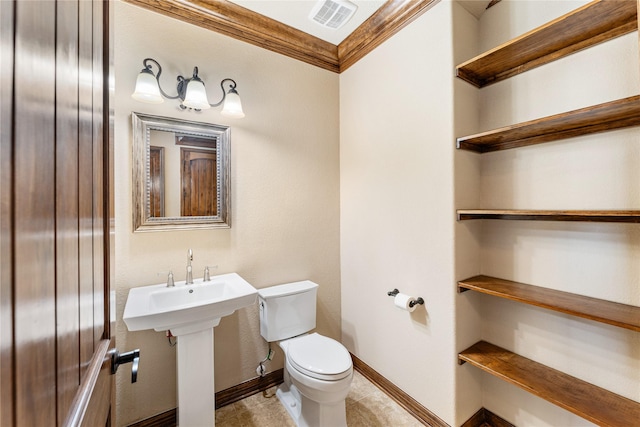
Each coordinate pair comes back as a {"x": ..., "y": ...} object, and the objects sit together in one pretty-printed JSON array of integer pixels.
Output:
[
  {"x": 586, "y": 26},
  {"x": 589, "y": 25},
  {"x": 586, "y": 400},
  {"x": 632, "y": 216},
  {"x": 612, "y": 313},
  {"x": 598, "y": 118}
]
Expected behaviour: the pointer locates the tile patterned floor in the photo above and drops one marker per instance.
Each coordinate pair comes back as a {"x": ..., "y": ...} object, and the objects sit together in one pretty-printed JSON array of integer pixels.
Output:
[{"x": 367, "y": 406}]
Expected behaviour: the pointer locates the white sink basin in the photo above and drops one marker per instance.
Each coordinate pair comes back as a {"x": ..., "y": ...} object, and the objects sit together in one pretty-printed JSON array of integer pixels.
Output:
[{"x": 184, "y": 308}]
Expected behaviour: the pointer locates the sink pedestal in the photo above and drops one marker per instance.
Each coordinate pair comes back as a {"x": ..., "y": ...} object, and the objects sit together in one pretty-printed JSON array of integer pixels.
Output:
[{"x": 196, "y": 393}]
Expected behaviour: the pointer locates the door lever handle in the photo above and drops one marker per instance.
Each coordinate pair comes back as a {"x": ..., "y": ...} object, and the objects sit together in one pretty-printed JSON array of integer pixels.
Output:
[{"x": 132, "y": 356}]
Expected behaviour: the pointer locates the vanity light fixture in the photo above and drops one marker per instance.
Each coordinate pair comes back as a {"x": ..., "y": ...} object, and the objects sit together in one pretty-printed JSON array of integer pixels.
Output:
[{"x": 191, "y": 91}]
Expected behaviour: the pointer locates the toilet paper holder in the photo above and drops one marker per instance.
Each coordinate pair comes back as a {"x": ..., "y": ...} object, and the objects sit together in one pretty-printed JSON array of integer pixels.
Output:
[{"x": 416, "y": 301}]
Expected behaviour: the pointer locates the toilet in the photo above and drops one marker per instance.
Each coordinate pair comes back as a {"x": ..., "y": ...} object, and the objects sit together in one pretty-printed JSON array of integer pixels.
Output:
[{"x": 318, "y": 370}]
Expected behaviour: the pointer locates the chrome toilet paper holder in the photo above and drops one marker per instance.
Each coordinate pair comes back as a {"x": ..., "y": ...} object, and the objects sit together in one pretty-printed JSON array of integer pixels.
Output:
[{"x": 412, "y": 303}]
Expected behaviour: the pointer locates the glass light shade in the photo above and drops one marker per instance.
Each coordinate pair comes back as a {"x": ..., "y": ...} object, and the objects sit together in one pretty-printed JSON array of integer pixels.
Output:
[
  {"x": 147, "y": 89},
  {"x": 232, "y": 106},
  {"x": 196, "y": 96}
]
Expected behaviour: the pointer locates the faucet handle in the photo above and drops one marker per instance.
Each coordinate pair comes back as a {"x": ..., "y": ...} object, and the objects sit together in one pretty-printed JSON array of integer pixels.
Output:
[
  {"x": 169, "y": 275},
  {"x": 170, "y": 282},
  {"x": 207, "y": 277}
]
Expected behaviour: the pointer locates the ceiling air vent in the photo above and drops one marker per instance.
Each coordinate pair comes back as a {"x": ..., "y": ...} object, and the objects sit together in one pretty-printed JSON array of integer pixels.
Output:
[{"x": 332, "y": 13}]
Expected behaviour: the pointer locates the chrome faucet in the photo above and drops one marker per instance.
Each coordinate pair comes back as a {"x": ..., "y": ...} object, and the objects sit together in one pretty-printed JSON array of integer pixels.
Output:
[{"x": 189, "y": 280}]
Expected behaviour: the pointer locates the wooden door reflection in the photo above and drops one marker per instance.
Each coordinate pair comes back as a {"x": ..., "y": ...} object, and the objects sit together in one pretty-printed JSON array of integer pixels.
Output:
[
  {"x": 156, "y": 175},
  {"x": 199, "y": 182}
]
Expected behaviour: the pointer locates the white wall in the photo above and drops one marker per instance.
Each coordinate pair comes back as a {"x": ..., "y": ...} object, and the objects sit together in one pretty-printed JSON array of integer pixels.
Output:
[
  {"x": 285, "y": 195},
  {"x": 397, "y": 216},
  {"x": 590, "y": 172}
]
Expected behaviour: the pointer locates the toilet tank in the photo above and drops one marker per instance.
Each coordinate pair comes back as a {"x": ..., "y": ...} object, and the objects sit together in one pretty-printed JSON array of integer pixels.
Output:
[{"x": 287, "y": 310}]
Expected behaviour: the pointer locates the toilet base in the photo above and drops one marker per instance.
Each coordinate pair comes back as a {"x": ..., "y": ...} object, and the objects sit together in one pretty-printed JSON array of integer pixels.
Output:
[
  {"x": 308, "y": 413},
  {"x": 290, "y": 399}
]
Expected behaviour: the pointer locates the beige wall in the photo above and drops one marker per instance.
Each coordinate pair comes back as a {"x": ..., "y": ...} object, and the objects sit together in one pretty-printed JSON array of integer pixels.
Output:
[
  {"x": 591, "y": 172},
  {"x": 354, "y": 179},
  {"x": 467, "y": 194},
  {"x": 285, "y": 195},
  {"x": 397, "y": 218},
  {"x": 400, "y": 180}
]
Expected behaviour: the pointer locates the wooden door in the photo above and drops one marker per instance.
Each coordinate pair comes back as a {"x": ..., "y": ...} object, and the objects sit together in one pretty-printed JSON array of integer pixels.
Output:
[
  {"x": 199, "y": 182},
  {"x": 55, "y": 198}
]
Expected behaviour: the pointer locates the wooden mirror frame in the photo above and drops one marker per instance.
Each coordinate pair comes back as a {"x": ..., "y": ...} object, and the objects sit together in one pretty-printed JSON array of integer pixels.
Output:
[{"x": 142, "y": 219}]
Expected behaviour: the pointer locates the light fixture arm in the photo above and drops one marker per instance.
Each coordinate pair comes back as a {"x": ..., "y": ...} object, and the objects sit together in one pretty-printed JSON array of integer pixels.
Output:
[
  {"x": 147, "y": 68},
  {"x": 232, "y": 89},
  {"x": 183, "y": 82}
]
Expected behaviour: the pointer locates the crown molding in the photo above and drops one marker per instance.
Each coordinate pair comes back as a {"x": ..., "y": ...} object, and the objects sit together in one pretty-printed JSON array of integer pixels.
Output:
[
  {"x": 393, "y": 16},
  {"x": 243, "y": 24}
]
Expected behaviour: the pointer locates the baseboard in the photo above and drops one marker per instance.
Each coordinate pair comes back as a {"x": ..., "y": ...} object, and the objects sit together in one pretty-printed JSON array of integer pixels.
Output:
[
  {"x": 486, "y": 418},
  {"x": 249, "y": 388},
  {"x": 223, "y": 398},
  {"x": 411, "y": 405},
  {"x": 482, "y": 418},
  {"x": 165, "y": 419}
]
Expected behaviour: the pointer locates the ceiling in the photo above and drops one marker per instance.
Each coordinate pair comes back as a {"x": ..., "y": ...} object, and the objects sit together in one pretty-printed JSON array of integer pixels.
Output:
[
  {"x": 477, "y": 7},
  {"x": 296, "y": 15}
]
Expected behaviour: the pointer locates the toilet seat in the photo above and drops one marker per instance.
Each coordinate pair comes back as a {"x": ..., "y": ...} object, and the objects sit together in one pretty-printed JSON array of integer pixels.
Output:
[{"x": 319, "y": 357}]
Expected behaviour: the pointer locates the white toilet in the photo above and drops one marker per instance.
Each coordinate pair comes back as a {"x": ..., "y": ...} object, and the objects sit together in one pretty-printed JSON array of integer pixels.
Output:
[{"x": 318, "y": 370}]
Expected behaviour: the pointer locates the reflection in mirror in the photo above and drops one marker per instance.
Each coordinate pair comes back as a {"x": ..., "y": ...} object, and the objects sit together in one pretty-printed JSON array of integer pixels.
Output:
[{"x": 181, "y": 174}]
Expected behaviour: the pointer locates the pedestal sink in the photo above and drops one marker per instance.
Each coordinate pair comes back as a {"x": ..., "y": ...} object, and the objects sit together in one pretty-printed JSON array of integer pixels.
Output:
[{"x": 190, "y": 312}]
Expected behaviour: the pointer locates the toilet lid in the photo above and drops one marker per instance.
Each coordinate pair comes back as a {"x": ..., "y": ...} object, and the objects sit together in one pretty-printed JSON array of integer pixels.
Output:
[{"x": 320, "y": 357}]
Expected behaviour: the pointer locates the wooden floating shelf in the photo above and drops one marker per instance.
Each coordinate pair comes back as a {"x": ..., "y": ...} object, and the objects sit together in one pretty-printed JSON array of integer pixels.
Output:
[
  {"x": 594, "y": 23},
  {"x": 630, "y": 216},
  {"x": 612, "y": 313},
  {"x": 586, "y": 400},
  {"x": 612, "y": 115}
]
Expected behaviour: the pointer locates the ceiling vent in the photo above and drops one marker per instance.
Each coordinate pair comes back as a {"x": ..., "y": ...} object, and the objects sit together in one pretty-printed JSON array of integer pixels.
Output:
[{"x": 332, "y": 13}]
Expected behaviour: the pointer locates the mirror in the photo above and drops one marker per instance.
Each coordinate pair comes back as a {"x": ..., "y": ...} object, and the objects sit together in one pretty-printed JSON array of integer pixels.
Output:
[{"x": 180, "y": 174}]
